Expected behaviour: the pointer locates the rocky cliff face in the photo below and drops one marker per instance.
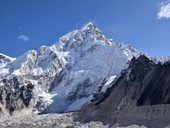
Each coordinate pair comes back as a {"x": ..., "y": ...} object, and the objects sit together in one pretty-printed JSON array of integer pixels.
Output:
[
  {"x": 132, "y": 98},
  {"x": 140, "y": 95}
]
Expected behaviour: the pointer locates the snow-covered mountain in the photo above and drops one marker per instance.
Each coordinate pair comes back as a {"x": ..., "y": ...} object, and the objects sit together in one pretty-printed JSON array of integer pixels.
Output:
[
  {"x": 67, "y": 74},
  {"x": 106, "y": 84}
]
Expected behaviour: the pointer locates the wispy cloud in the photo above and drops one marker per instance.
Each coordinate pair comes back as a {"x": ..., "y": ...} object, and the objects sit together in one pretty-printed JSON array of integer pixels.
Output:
[
  {"x": 164, "y": 10},
  {"x": 23, "y": 38}
]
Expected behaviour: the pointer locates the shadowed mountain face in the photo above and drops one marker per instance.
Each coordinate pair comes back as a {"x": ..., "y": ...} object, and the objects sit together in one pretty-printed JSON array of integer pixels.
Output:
[{"x": 140, "y": 95}]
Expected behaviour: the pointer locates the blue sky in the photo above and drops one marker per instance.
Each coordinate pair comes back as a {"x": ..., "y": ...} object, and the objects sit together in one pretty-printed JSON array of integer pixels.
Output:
[{"x": 28, "y": 24}]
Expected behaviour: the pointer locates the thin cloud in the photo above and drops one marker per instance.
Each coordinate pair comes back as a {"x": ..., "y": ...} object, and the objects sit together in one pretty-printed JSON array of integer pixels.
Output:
[
  {"x": 23, "y": 38},
  {"x": 20, "y": 28},
  {"x": 164, "y": 10}
]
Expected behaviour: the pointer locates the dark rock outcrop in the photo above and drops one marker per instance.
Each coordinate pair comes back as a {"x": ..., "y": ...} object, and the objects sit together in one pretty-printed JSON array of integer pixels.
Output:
[
  {"x": 14, "y": 96},
  {"x": 141, "y": 95}
]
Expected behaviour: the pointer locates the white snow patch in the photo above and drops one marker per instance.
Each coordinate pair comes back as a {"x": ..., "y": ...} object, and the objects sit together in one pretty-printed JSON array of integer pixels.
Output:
[
  {"x": 128, "y": 74},
  {"x": 108, "y": 84},
  {"x": 47, "y": 97},
  {"x": 1, "y": 84},
  {"x": 16, "y": 72}
]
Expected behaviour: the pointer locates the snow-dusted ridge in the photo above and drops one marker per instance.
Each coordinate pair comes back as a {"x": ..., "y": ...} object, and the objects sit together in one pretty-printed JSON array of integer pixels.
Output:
[
  {"x": 67, "y": 74},
  {"x": 4, "y": 60},
  {"x": 3, "y": 56}
]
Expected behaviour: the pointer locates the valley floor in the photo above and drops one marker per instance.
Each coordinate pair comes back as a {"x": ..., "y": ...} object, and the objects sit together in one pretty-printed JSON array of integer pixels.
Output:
[{"x": 53, "y": 121}]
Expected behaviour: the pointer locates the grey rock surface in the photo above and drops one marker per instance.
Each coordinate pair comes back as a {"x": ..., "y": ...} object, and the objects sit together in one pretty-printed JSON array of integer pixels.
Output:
[{"x": 140, "y": 95}]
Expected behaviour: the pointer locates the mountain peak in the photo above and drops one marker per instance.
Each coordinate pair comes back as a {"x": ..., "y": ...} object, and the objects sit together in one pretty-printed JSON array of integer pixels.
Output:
[
  {"x": 88, "y": 26},
  {"x": 87, "y": 32}
]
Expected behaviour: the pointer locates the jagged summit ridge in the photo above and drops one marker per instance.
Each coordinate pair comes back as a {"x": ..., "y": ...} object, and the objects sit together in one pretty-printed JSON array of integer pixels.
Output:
[{"x": 87, "y": 33}]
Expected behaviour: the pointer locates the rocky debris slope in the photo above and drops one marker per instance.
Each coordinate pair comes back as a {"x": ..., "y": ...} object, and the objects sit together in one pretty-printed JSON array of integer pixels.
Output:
[
  {"x": 54, "y": 121},
  {"x": 140, "y": 95},
  {"x": 64, "y": 76}
]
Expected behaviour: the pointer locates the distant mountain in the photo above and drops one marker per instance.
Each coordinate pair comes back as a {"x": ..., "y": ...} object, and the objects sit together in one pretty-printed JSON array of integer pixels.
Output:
[{"x": 88, "y": 74}]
